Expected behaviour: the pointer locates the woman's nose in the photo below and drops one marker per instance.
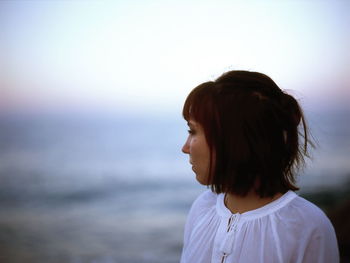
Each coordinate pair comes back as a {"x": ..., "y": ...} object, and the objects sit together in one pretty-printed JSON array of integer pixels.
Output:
[{"x": 186, "y": 147}]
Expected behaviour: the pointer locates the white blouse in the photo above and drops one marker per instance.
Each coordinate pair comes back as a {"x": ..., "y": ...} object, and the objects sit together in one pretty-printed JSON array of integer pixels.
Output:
[{"x": 287, "y": 230}]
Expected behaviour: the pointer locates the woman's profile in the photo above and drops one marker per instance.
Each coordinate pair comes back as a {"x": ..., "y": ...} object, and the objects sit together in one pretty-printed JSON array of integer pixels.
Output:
[{"x": 247, "y": 138}]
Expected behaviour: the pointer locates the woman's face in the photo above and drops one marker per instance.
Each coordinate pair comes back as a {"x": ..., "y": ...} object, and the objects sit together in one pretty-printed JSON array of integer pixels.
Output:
[{"x": 196, "y": 146}]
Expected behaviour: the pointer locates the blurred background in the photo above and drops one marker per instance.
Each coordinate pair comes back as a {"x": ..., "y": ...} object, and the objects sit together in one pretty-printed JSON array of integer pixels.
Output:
[{"x": 91, "y": 93}]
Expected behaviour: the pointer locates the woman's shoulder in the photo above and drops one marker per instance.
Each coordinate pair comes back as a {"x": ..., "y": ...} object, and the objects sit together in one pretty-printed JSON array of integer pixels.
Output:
[
  {"x": 310, "y": 213},
  {"x": 202, "y": 208},
  {"x": 207, "y": 198},
  {"x": 306, "y": 207},
  {"x": 204, "y": 201}
]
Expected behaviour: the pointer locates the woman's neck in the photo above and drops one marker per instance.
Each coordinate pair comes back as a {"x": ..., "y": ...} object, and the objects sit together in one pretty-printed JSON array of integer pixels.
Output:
[{"x": 252, "y": 201}]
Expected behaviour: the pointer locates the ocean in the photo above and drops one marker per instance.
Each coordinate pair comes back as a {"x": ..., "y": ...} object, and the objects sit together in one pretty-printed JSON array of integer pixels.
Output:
[{"x": 117, "y": 188}]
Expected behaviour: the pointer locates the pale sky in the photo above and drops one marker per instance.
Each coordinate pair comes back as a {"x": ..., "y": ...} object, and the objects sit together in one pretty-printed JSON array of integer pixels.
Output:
[{"x": 148, "y": 55}]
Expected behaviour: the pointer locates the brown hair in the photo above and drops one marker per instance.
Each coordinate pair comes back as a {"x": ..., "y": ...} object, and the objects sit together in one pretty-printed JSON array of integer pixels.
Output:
[{"x": 251, "y": 127}]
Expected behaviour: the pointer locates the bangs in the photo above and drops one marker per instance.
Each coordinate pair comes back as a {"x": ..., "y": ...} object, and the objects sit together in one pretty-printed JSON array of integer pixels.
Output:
[{"x": 199, "y": 104}]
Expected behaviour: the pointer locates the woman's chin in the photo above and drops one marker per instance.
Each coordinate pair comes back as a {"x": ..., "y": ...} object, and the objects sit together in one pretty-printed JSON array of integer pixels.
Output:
[{"x": 201, "y": 180}]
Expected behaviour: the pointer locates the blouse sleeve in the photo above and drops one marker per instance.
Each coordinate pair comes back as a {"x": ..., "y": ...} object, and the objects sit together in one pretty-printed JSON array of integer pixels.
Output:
[
  {"x": 323, "y": 246},
  {"x": 188, "y": 230},
  {"x": 202, "y": 202}
]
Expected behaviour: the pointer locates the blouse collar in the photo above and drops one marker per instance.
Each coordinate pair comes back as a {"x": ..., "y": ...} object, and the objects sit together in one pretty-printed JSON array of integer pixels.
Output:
[{"x": 259, "y": 212}]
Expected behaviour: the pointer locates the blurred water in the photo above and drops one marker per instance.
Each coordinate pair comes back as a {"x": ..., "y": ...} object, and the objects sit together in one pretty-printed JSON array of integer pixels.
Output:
[{"x": 116, "y": 189}]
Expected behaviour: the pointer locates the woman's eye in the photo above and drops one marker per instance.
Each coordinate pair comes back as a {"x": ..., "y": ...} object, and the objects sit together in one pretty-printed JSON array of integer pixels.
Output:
[{"x": 190, "y": 131}]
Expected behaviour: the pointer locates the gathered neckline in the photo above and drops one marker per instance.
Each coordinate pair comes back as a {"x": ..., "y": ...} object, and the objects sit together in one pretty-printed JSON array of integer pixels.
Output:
[{"x": 256, "y": 213}]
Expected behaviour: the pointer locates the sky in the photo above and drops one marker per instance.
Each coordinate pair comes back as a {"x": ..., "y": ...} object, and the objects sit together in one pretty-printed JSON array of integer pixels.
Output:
[{"x": 146, "y": 56}]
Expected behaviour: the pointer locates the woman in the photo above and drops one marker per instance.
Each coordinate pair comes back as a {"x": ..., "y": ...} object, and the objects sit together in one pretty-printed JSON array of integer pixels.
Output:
[{"x": 244, "y": 144}]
